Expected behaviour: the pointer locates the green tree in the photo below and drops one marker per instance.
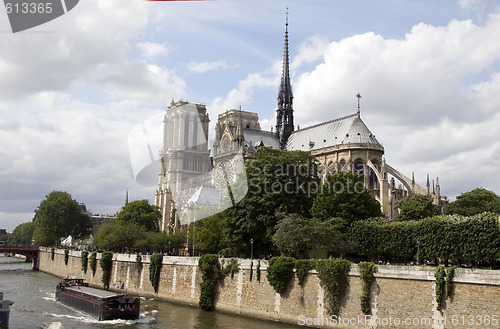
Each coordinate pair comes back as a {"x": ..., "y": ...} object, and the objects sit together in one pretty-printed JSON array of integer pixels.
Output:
[
  {"x": 59, "y": 216},
  {"x": 119, "y": 236},
  {"x": 278, "y": 181},
  {"x": 22, "y": 234},
  {"x": 343, "y": 196},
  {"x": 474, "y": 202},
  {"x": 416, "y": 207},
  {"x": 208, "y": 234},
  {"x": 140, "y": 212},
  {"x": 295, "y": 235},
  {"x": 153, "y": 242}
]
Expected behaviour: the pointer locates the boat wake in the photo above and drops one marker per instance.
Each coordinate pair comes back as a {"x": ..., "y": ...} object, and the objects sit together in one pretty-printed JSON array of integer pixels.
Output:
[{"x": 87, "y": 319}]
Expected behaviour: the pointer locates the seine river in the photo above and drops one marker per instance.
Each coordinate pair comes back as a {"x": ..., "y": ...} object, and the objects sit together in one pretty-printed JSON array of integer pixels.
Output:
[{"x": 34, "y": 296}]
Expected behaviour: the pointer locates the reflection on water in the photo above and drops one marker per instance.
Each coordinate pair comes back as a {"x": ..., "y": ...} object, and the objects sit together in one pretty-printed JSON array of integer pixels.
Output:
[{"x": 34, "y": 297}]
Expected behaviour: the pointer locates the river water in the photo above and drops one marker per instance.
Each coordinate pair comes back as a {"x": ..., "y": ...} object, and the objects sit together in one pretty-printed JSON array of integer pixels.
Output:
[{"x": 33, "y": 294}]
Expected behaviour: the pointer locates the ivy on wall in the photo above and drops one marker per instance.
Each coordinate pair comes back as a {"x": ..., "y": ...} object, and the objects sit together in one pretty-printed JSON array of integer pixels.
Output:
[
  {"x": 106, "y": 263},
  {"x": 444, "y": 284},
  {"x": 138, "y": 263},
  {"x": 280, "y": 272},
  {"x": 66, "y": 256},
  {"x": 366, "y": 270},
  {"x": 440, "y": 286},
  {"x": 302, "y": 267},
  {"x": 450, "y": 275},
  {"x": 155, "y": 264},
  {"x": 93, "y": 262},
  {"x": 332, "y": 274},
  {"x": 258, "y": 271},
  {"x": 85, "y": 260},
  {"x": 211, "y": 275},
  {"x": 233, "y": 267}
]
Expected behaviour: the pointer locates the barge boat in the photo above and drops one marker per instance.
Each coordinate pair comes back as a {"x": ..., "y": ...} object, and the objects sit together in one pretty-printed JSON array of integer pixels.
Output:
[{"x": 101, "y": 304}]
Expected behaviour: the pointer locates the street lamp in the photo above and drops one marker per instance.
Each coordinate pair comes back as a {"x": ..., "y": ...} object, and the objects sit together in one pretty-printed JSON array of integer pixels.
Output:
[
  {"x": 418, "y": 250},
  {"x": 251, "y": 248}
]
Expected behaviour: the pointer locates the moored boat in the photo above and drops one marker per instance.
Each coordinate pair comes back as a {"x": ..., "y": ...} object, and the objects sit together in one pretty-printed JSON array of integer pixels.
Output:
[
  {"x": 4, "y": 311},
  {"x": 101, "y": 304}
]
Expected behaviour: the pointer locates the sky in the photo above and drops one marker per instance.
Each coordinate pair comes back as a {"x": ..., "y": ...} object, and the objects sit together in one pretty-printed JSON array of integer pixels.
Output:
[{"x": 74, "y": 89}]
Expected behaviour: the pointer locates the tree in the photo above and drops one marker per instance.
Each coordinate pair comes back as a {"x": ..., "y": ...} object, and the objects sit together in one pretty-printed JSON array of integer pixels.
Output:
[
  {"x": 474, "y": 202},
  {"x": 416, "y": 207},
  {"x": 119, "y": 236},
  {"x": 22, "y": 234},
  {"x": 141, "y": 213},
  {"x": 59, "y": 216},
  {"x": 278, "y": 181},
  {"x": 295, "y": 235},
  {"x": 344, "y": 196},
  {"x": 208, "y": 234}
]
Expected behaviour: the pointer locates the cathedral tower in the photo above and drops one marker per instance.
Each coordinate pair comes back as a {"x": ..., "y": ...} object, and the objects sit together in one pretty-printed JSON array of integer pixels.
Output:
[{"x": 284, "y": 113}]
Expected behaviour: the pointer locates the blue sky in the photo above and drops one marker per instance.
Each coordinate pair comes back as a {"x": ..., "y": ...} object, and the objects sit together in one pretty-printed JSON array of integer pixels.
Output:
[{"x": 73, "y": 89}]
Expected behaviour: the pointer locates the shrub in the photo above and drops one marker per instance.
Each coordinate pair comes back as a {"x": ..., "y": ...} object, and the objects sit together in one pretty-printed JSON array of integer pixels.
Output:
[
  {"x": 66, "y": 256},
  {"x": 93, "y": 262},
  {"x": 302, "y": 267},
  {"x": 211, "y": 274},
  {"x": 138, "y": 263},
  {"x": 155, "y": 264},
  {"x": 440, "y": 286},
  {"x": 332, "y": 274},
  {"x": 280, "y": 272},
  {"x": 85, "y": 260},
  {"x": 366, "y": 270},
  {"x": 106, "y": 263}
]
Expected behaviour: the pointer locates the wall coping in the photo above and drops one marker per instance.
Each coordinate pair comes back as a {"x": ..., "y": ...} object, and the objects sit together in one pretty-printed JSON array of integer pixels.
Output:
[{"x": 401, "y": 272}]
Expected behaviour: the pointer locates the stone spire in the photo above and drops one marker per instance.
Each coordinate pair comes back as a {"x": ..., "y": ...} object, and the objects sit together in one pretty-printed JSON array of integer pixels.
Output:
[
  {"x": 428, "y": 186},
  {"x": 284, "y": 113}
]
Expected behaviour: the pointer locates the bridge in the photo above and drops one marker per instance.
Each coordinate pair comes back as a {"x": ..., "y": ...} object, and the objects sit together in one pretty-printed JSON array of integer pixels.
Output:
[{"x": 32, "y": 253}]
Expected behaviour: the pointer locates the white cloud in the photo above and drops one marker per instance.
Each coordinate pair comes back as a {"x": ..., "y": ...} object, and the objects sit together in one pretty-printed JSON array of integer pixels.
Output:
[
  {"x": 243, "y": 93},
  {"x": 32, "y": 62},
  {"x": 312, "y": 49},
  {"x": 141, "y": 82},
  {"x": 417, "y": 97},
  {"x": 208, "y": 66},
  {"x": 471, "y": 4},
  {"x": 151, "y": 50}
]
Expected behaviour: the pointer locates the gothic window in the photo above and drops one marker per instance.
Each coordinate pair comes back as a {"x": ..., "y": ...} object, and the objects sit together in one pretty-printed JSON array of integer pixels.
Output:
[
  {"x": 331, "y": 168},
  {"x": 224, "y": 175},
  {"x": 186, "y": 132},
  {"x": 359, "y": 168},
  {"x": 195, "y": 134},
  {"x": 343, "y": 165},
  {"x": 373, "y": 177}
]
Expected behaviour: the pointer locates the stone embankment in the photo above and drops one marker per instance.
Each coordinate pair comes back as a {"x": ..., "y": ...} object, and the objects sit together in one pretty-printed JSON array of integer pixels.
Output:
[{"x": 401, "y": 296}]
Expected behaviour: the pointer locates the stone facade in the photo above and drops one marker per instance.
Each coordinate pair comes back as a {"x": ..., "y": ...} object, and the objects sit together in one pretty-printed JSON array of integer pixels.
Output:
[
  {"x": 184, "y": 160},
  {"x": 402, "y": 296}
]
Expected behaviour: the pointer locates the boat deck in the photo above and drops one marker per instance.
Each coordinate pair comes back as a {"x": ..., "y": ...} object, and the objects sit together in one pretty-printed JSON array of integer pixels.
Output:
[{"x": 94, "y": 292}]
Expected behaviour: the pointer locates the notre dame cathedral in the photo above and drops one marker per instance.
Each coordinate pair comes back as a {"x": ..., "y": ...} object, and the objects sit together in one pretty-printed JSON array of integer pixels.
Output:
[{"x": 194, "y": 180}]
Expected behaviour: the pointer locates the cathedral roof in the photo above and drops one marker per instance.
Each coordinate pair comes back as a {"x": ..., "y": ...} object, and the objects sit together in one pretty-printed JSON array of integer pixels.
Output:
[
  {"x": 255, "y": 137},
  {"x": 205, "y": 195},
  {"x": 343, "y": 131}
]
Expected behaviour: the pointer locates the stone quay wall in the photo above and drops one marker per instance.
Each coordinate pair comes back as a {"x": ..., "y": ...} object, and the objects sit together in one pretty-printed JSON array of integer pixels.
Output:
[{"x": 401, "y": 296}]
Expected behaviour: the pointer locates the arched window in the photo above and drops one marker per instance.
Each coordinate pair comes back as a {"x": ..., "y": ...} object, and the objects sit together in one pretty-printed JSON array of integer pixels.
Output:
[
  {"x": 331, "y": 167},
  {"x": 343, "y": 165},
  {"x": 373, "y": 178},
  {"x": 359, "y": 168}
]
